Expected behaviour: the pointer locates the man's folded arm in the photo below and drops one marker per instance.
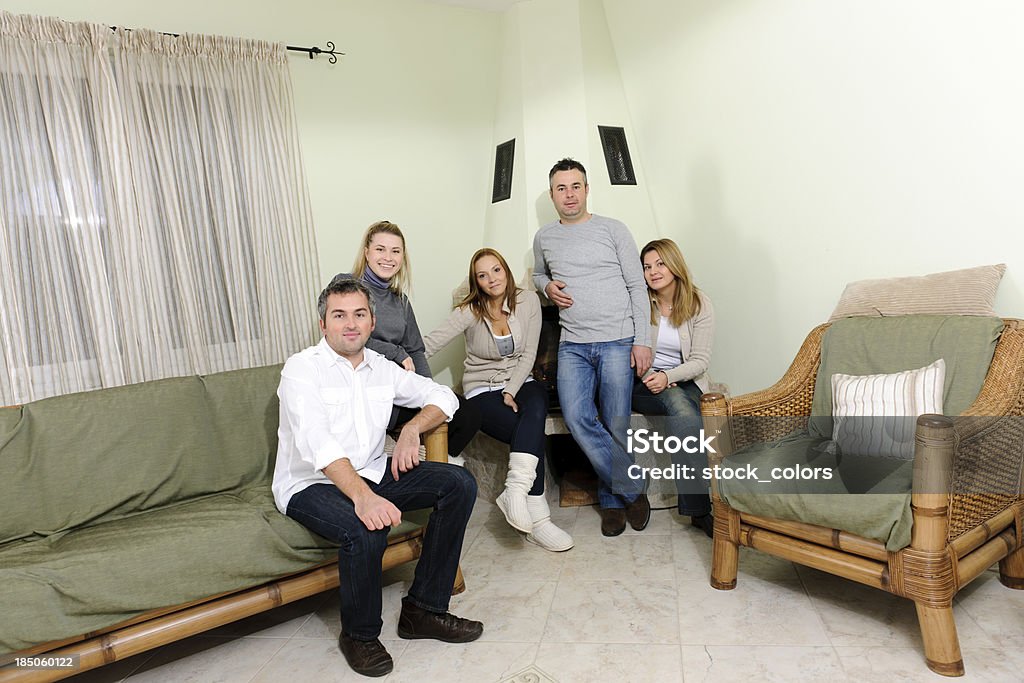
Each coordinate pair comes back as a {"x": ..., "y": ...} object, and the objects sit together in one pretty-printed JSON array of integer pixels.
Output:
[{"x": 416, "y": 391}]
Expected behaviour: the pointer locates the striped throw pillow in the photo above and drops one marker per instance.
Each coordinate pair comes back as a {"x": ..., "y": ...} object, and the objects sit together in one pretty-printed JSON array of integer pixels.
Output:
[{"x": 877, "y": 414}]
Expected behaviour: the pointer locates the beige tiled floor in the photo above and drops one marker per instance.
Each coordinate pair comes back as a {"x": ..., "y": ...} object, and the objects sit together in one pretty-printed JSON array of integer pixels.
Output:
[{"x": 633, "y": 608}]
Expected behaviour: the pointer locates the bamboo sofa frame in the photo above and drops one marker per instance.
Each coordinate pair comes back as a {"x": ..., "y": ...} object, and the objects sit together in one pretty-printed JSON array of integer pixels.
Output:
[
  {"x": 955, "y": 537},
  {"x": 166, "y": 625}
]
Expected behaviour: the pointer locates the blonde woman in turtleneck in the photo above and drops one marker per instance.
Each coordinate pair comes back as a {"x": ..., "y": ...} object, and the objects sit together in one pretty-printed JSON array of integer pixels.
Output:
[{"x": 382, "y": 264}]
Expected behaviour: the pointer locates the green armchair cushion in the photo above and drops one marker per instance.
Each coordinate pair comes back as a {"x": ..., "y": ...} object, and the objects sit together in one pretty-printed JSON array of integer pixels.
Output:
[
  {"x": 880, "y": 510},
  {"x": 867, "y": 496},
  {"x": 868, "y": 346}
]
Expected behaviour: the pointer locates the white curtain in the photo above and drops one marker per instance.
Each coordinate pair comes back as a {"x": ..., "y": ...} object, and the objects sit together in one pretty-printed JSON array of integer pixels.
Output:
[{"x": 154, "y": 217}]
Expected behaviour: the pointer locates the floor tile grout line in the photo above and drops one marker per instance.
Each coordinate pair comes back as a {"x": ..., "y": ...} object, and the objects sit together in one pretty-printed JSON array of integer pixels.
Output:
[
  {"x": 269, "y": 660},
  {"x": 814, "y": 605},
  {"x": 547, "y": 613},
  {"x": 149, "y": 655},
  {"x": 676, "y": 564},
  {"x": 839, "y": 660}
]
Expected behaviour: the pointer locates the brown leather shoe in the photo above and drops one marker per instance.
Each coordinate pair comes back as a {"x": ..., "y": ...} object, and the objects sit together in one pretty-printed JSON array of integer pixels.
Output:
[
  {"x": 416, "y": 622},
  {"x": 639, "y": 512},
  {"x": 613, "y": 521},
  {"x": 366, "y": 657}
]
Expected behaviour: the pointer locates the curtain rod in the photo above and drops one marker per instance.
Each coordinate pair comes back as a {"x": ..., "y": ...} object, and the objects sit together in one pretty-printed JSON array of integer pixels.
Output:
[{"x": 312, "y": 51}]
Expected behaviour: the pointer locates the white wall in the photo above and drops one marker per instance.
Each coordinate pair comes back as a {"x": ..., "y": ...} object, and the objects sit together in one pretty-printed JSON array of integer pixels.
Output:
[
  {"x": 793, "y": 146},
  {"x": 558, "y": 80},
  {"x": 400, "y": 128},
  {"x": 508, "y": 223},
  {"x": 607, "y": 106}
]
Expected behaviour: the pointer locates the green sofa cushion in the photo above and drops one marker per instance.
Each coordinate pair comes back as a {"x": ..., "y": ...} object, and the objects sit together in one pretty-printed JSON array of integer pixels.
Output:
[
  {"x": 91, "y": 578},
  {"x": 103, "y": 455},
  {"x": 243, "y": 407}
]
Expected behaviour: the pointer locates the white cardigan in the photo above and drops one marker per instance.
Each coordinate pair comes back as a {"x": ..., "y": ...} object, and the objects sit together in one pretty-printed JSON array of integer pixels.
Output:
[{"x": 696, "y": 346}]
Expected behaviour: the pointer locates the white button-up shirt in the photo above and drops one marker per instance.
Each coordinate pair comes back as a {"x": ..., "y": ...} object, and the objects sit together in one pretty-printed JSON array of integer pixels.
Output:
[{"x": 330, "y": 410}]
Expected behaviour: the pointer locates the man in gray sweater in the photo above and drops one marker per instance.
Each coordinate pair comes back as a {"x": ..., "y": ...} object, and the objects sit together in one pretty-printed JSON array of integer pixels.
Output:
[{"x": 589, "y": 267}]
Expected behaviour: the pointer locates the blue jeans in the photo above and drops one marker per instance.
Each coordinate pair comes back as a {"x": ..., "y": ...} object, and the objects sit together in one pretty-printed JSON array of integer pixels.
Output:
[
  {"x": 522, "y": 431},
  {"x": 599, "y": 370},
  {"x": 325, "y": 510},
  {"x": 681, "y": 402}
]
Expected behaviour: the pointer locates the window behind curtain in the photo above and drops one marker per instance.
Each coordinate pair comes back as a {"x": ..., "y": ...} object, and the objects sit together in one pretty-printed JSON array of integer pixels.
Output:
[{"x": 154, "y": 220}]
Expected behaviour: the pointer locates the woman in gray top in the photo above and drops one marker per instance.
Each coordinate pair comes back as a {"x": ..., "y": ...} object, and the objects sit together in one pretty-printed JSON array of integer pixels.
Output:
[
  {"x": 382, "y": 264},
  {"x": 682, "y": 328},
  {"x": 501, "y": 323}
]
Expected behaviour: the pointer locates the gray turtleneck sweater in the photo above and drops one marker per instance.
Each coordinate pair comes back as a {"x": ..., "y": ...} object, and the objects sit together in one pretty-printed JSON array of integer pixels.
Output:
[{"x": 395, "y": 335}]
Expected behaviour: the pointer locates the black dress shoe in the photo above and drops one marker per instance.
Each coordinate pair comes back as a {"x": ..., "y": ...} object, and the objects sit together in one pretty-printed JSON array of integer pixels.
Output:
[
  {"x": 416, "y": 622},
  {"x": 366, "y": 657},
  {"x": 613, "y": 521},
  {"x": 705, "y": 523},
  {"x": 639, "y": 512}
]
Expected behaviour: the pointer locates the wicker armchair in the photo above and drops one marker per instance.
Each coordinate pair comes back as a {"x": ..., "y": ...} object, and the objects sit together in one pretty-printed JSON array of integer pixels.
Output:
[{"x": 955, "y": 536}]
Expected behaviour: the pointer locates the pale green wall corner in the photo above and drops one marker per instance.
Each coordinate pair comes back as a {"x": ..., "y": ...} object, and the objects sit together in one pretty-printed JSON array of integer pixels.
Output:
[{"x": 788, "y": 146}]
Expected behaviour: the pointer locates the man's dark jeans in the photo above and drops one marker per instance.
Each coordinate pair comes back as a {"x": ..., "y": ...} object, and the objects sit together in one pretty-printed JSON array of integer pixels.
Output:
[{"x": 324, "y": 509}]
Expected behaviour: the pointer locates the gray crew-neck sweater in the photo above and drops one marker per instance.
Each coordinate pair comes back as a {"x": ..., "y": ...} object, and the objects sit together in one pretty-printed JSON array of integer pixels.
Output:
[{"x": 600, "y": 265}]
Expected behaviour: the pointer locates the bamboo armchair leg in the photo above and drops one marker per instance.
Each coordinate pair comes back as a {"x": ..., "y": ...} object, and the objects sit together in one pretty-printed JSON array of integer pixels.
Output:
[
  {"x": 941, "y": 645},
  {"x": 933, "y": 455},
  {"x": 725, "y": 549},
  {"x": 1011, "y": 570}
]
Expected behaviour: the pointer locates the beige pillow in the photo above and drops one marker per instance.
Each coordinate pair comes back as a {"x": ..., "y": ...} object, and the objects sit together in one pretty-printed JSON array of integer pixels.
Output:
[
  {"x": 970, "y": 291},
  {"x": 876, "y": 414}
]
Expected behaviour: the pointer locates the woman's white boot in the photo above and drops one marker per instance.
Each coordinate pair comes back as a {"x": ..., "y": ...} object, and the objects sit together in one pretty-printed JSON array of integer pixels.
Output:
[
  {"x": 545, "y": 533},
  {"x": 522, "y": 470}
]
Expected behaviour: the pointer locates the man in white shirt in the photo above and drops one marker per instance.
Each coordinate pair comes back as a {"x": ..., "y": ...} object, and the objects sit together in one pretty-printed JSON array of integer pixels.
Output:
[{"x": 333, "y": 477}]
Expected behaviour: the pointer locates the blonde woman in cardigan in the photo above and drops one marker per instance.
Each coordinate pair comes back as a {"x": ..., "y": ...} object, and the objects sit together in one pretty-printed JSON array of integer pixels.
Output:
[
  {"x": 501, "y": 324},
  {"x": 682, "y": 329},
  {"x": 382, "y": 264}
]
